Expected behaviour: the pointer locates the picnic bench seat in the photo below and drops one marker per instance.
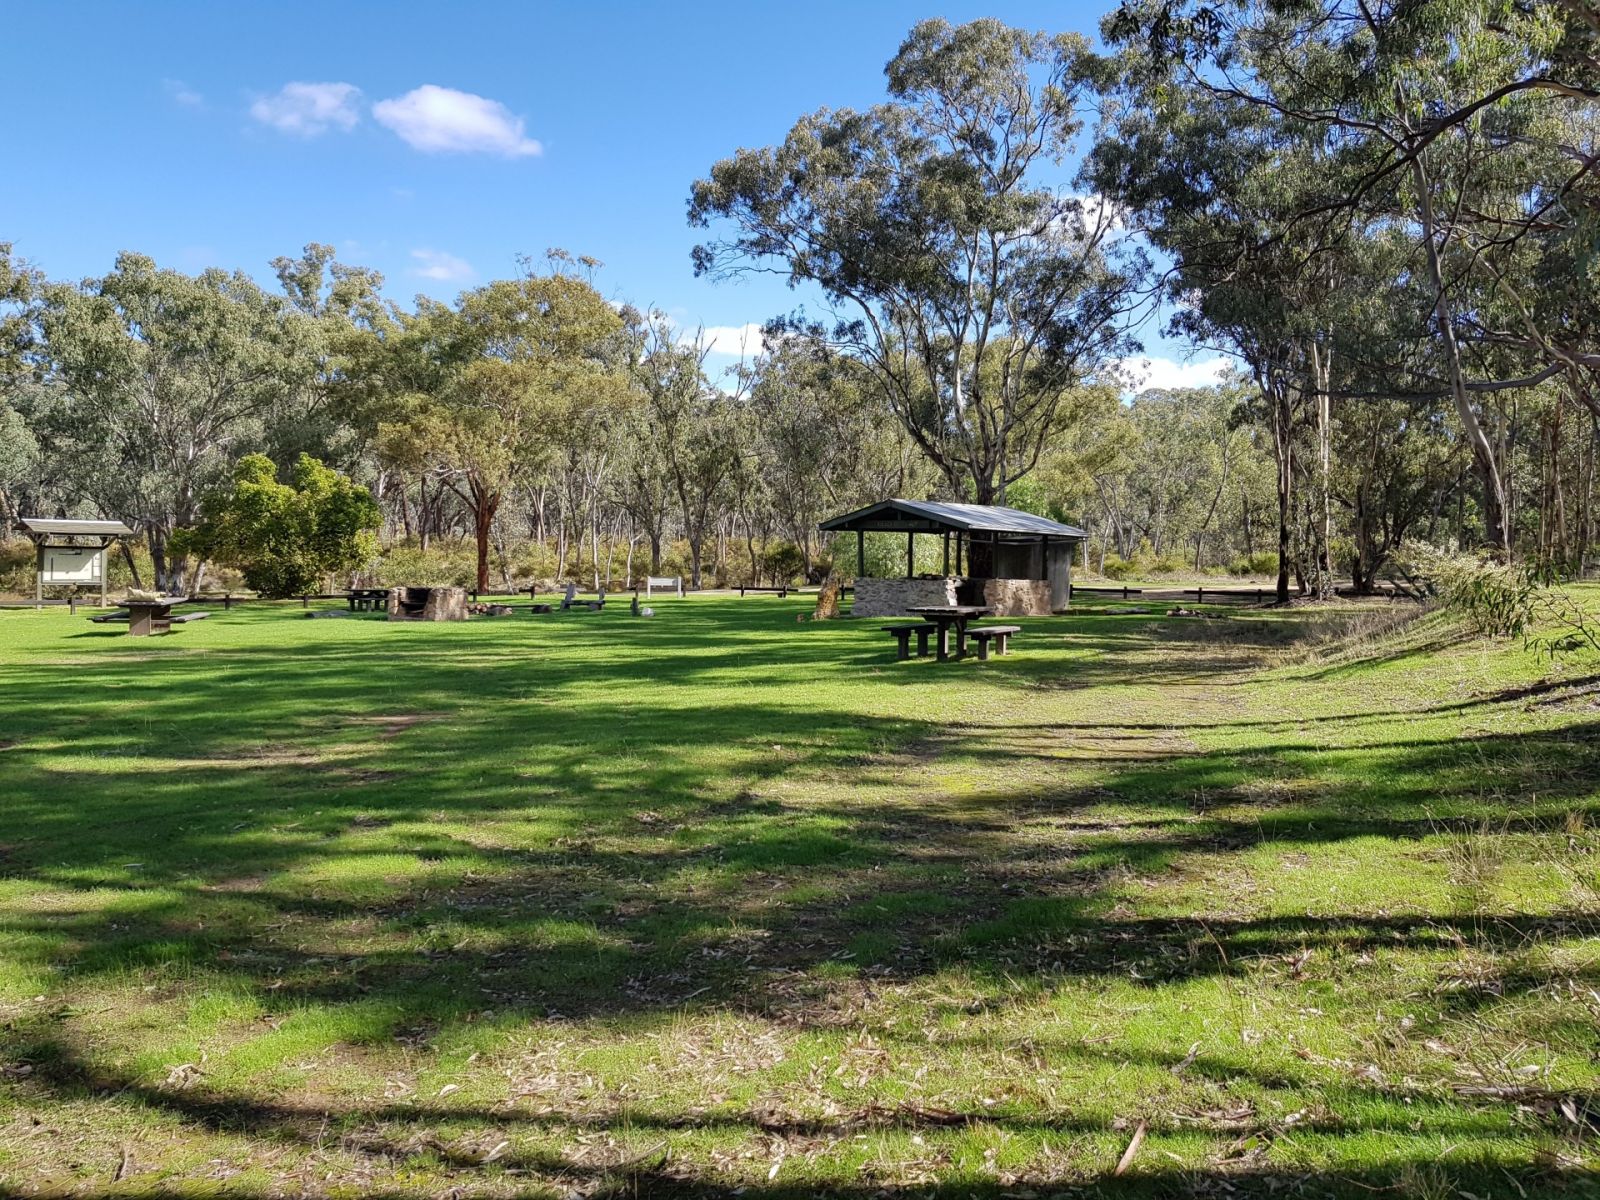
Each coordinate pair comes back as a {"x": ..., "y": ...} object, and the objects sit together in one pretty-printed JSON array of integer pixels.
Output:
[
  {"x": 120, "y": 614},
  {"x": 999, "y": 634},
  {"x": 183, "y": 618},
  {"x": 903, "y": 634}
]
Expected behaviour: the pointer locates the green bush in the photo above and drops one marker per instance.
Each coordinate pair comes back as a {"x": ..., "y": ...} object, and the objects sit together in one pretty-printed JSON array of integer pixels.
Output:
[
  {"x": 783, "y": 561},
  {"x": 285, "y": 538},
  {"x": 1264, "y": 563},
  {"x": 408, "y": 565},
  {"x": 1496, "y": 598}
]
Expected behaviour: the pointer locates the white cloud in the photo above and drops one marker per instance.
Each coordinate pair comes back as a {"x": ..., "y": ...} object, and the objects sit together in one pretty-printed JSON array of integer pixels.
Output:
[
  {"x": 181, "y": 93},
  {"x": 309, "y": 109},
  {"x": 735, "y": 341},
  {"x": 442, "y": 120},
  {"x": 436, "y": 264},
  {"x": 1165, "y": 373}
]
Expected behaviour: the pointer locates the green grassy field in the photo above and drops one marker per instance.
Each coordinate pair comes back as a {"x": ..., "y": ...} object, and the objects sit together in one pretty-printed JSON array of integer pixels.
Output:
[{"x": 1284, "y": 903}]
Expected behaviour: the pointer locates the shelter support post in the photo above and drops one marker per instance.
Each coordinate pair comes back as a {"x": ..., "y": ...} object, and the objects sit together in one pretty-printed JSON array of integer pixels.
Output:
[
  {"x": 861, "y": 554},
  {"x": 947, "y": 553},
  {"x": 911, "y": 555},
  {"x": 38, "y": 575}
]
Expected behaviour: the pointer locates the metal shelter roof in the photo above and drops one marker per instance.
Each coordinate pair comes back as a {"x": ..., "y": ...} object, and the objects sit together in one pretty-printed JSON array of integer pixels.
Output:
[
  {"x": 62, "y": 527},
  {"x": 933, "y": 516}
]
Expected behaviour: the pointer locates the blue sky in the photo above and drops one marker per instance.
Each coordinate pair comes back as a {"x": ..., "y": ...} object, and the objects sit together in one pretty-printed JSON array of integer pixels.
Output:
[{"x": 432, "y": 142}]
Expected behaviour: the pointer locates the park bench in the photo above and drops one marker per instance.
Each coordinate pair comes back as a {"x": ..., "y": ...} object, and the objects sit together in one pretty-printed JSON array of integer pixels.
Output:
[
  {"x": 571, "y": 603},
  {"x": 903, "y": 634},
  {"x": 120, "y": 614},
  {"x": 781, "y": 591},
  {"x": 999, "y": 634},
  {"x": 185, "y": 618}
]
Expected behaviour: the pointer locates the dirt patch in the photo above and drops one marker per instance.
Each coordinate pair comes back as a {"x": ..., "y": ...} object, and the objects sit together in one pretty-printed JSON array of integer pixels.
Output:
[
  {"x": 275, "y": 754},
  {"x": 395, "y": 724},
  {"x": 240, "y": 883}
]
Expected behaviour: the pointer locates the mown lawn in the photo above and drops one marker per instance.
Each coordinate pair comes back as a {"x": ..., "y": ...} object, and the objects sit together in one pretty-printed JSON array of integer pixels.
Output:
[{"x": 722, "y": 900}]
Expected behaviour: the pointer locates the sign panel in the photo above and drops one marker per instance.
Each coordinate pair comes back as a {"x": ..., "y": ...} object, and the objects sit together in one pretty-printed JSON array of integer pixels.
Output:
[{"x": 69, "y": 564}]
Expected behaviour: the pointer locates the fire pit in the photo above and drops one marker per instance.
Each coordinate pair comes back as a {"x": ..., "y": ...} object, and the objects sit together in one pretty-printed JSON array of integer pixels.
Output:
[{"x": 428, "y": 604}]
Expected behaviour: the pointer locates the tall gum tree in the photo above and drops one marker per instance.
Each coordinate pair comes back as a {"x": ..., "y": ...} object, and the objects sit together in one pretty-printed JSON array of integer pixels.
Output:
[
  {"x": 495, "y": 380},
  {"x": 977, "y": 290},
  {"x": 166, "y": 378},
  {"x": 1414, "y": 110}
]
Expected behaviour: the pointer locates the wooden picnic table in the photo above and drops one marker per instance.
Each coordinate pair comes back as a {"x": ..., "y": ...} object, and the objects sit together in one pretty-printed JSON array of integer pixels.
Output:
[
  {"x": 948, "y": 616},
  {"x": 368, "y": 599},
  {"x": 148, "y": 616}
]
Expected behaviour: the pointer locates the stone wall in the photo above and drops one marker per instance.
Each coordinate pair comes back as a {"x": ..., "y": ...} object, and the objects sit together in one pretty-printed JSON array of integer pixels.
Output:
[
  {"x": 893, "y": 597},
  {"x": 1017, "y": 597},
  {"x": 439, "y": 604}
]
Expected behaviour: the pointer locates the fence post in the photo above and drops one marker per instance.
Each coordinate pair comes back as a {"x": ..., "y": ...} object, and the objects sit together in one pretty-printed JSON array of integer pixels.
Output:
[
  {"x": 72, "y": 604},
  {"x": 1200, "y": 595},
  {"x": 305, "y": 601}
]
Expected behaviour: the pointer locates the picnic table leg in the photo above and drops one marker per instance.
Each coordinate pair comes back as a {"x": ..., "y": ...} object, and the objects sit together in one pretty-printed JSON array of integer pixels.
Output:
[
  {"x": 139, "y": 622},
  {"x": 961, "y": 639},
  {"x": 944, "y": 642}
]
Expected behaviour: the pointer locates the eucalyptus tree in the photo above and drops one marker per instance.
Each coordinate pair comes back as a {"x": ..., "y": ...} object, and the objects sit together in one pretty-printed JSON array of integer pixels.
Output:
[
  {"x": 692, "y": 428},
  {"x": 18, "y": 447},
  {"x": 164, "y": 379},
  {"x": 825, "y": 442},
  {"x": 975, "y": 290},
  {"x": 344, "y": 310},
  {"x": 1417, "y": 114},
  {"x": 495, "y": 382}
]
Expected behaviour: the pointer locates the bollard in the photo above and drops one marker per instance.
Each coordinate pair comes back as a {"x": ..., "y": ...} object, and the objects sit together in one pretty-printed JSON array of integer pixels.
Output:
[{"x": 72, "y": 605}]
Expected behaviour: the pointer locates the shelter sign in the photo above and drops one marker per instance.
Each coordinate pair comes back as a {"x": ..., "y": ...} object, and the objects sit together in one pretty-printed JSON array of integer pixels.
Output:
[{"x": 82, "y": 565}]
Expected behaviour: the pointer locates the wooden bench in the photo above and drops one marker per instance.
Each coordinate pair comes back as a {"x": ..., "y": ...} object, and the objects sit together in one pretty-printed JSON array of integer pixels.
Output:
[
  {"x": 186, "y": 617},
  {"x": 106, "y": 618},
  {"x": 1000, "y": 634},
  {"x": 782, "y": 591},
  {"x": 903, "y": 634}
]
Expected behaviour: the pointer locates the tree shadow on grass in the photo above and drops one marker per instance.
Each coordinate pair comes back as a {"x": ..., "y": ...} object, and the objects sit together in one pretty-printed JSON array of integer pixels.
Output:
[{"x": 416, "y": 831}]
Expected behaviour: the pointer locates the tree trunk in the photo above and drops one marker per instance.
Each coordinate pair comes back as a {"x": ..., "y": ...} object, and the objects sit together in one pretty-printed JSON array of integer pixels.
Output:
[
  {"x": 1496, "y": 528},
  {"x": 1283, "y": 455},
  {"x": 484, "y": 506},
  {"x": 1322, "y": 373}
]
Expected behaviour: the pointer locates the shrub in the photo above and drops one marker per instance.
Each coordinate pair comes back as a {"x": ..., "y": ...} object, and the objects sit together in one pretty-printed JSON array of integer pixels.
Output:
[
  {"x": 1496, "y": 598},
  {"x": 408, "y": 565},
  {"x": 783, "y": 561},
  {"x": 285, "y": 537},
  {"x": 1264, "y": 563}
]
